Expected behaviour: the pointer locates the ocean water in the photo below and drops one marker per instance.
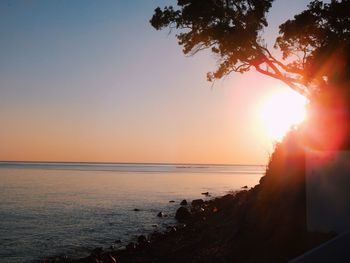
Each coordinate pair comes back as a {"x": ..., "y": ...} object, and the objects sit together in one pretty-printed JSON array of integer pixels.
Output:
[{"x": 51, "y": 209}]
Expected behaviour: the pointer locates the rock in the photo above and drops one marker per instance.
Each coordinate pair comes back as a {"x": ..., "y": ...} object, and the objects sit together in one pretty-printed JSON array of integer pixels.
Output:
[
  {"x": 130, "y": 246},
  {"x": 160, "y": 214},
  {"x": 179, "y": 226},
  {"x": 141, "y": 239},
  {"x": 156, "y": 236},
  {"x": 97, "y": 251},
  {"x": 183, "y": 214},
  {"x": 95, "y": 260},
  {"x": 206, "y": 194},
  {"x": 183, "y": 202},
  {"x": 171, "y": 229},
  {"x": 154, "y": 225},
  {"x": 136, "y": 209},
  {"x": 118, "y": 241},
  {"x": 171, "y": 201},
  {"x": 142, "y": 242},
  {"x": 197, "y": 202},
  {"x": 245, "y": 187}
]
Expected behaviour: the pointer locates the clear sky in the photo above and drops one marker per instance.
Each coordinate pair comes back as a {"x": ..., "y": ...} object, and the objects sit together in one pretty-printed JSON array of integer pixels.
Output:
[{"x": 90, "y": 80}]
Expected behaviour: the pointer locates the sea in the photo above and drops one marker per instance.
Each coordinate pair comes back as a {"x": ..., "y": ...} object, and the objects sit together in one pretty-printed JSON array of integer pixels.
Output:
[{"x": 68, "y": 209}]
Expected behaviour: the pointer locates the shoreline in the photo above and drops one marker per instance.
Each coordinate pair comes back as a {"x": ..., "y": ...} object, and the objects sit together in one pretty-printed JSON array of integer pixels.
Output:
[
  {"x": 217, "y": 230},
  {"x": 265, "y": 224},
  {"x": 200, "y": 214},
  {"x": 92, "y": 209}
]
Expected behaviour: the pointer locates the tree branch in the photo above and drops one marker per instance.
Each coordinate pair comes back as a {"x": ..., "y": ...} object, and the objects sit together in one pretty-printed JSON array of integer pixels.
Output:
[{"x": 294, "y": 84}]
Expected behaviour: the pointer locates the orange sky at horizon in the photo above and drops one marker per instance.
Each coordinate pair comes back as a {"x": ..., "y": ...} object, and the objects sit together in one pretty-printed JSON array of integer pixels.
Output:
[
  {"x": 186, "y": 141},
  {"x": 95, "y": 83}
]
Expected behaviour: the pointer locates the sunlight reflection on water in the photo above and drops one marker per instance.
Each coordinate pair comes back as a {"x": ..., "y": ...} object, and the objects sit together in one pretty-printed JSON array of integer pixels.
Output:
[{"x": 45, "y": 212}]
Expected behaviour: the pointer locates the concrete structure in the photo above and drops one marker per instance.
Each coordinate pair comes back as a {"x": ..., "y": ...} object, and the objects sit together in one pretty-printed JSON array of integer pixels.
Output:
[{"x": 328, "y": 191}]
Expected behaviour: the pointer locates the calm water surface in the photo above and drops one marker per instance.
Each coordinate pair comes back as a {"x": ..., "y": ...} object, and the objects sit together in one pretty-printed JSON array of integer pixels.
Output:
[{"x": 68, "y": 209}]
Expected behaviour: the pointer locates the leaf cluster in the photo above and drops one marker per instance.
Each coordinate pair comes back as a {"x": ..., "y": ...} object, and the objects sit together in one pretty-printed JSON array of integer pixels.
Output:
[
  {"x": 315, "y": 44},
  {"x": 318, "y": 40},
  {"x": 230, "y": 28}
]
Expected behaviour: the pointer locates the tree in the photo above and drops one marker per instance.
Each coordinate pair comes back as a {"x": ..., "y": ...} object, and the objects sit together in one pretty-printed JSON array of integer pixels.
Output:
[
  {"x": 314, "y": 46},
  {"x": 314, "y": 50}
]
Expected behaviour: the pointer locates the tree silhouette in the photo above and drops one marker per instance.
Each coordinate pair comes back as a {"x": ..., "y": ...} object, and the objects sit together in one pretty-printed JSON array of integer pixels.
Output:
[{"x": 314, "y": 45}]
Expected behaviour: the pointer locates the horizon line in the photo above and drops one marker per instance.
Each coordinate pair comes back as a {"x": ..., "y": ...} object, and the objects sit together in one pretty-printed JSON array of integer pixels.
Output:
[{"x": 146, "y": 163}]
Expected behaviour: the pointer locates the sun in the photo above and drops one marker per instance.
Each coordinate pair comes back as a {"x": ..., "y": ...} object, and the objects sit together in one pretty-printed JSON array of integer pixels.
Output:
[{"x": 280, "y": 111}]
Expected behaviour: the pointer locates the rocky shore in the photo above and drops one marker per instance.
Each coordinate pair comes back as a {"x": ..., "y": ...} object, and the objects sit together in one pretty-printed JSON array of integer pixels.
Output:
[
  {"x": 219, "y": 230},
  {"x": 266, "y": 223}
]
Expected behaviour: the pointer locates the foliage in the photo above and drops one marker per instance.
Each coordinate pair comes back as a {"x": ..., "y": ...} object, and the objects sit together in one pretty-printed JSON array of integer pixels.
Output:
[
  {"x": 314, "y": 44},
  {"x": 319, "y": 39}
]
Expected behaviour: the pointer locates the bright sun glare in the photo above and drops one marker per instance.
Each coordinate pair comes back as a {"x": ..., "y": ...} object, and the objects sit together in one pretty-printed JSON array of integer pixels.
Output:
[{"x": 280, "y": 111}]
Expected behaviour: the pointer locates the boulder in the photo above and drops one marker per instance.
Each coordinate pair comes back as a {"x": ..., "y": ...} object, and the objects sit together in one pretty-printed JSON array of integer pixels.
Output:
[
  {"x": 183, "y": 214},
  {"x": 130, "y": 246},
  {"x": 197, "y": 202},
  {"x": 141, "y": 239},
  {"x": 97, "y": 251},
  {"x": 160, "y": 214},
  {"x": 183, "y": 202},
  {"x": 142, "y": 242},
  {"x": 155, "y": 236},
  {"x": 171, "y": 229}
]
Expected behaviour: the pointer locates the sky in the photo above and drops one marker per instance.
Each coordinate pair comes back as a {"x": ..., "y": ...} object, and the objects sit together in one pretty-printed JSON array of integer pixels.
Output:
[{"x": 92, "y": 81}]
